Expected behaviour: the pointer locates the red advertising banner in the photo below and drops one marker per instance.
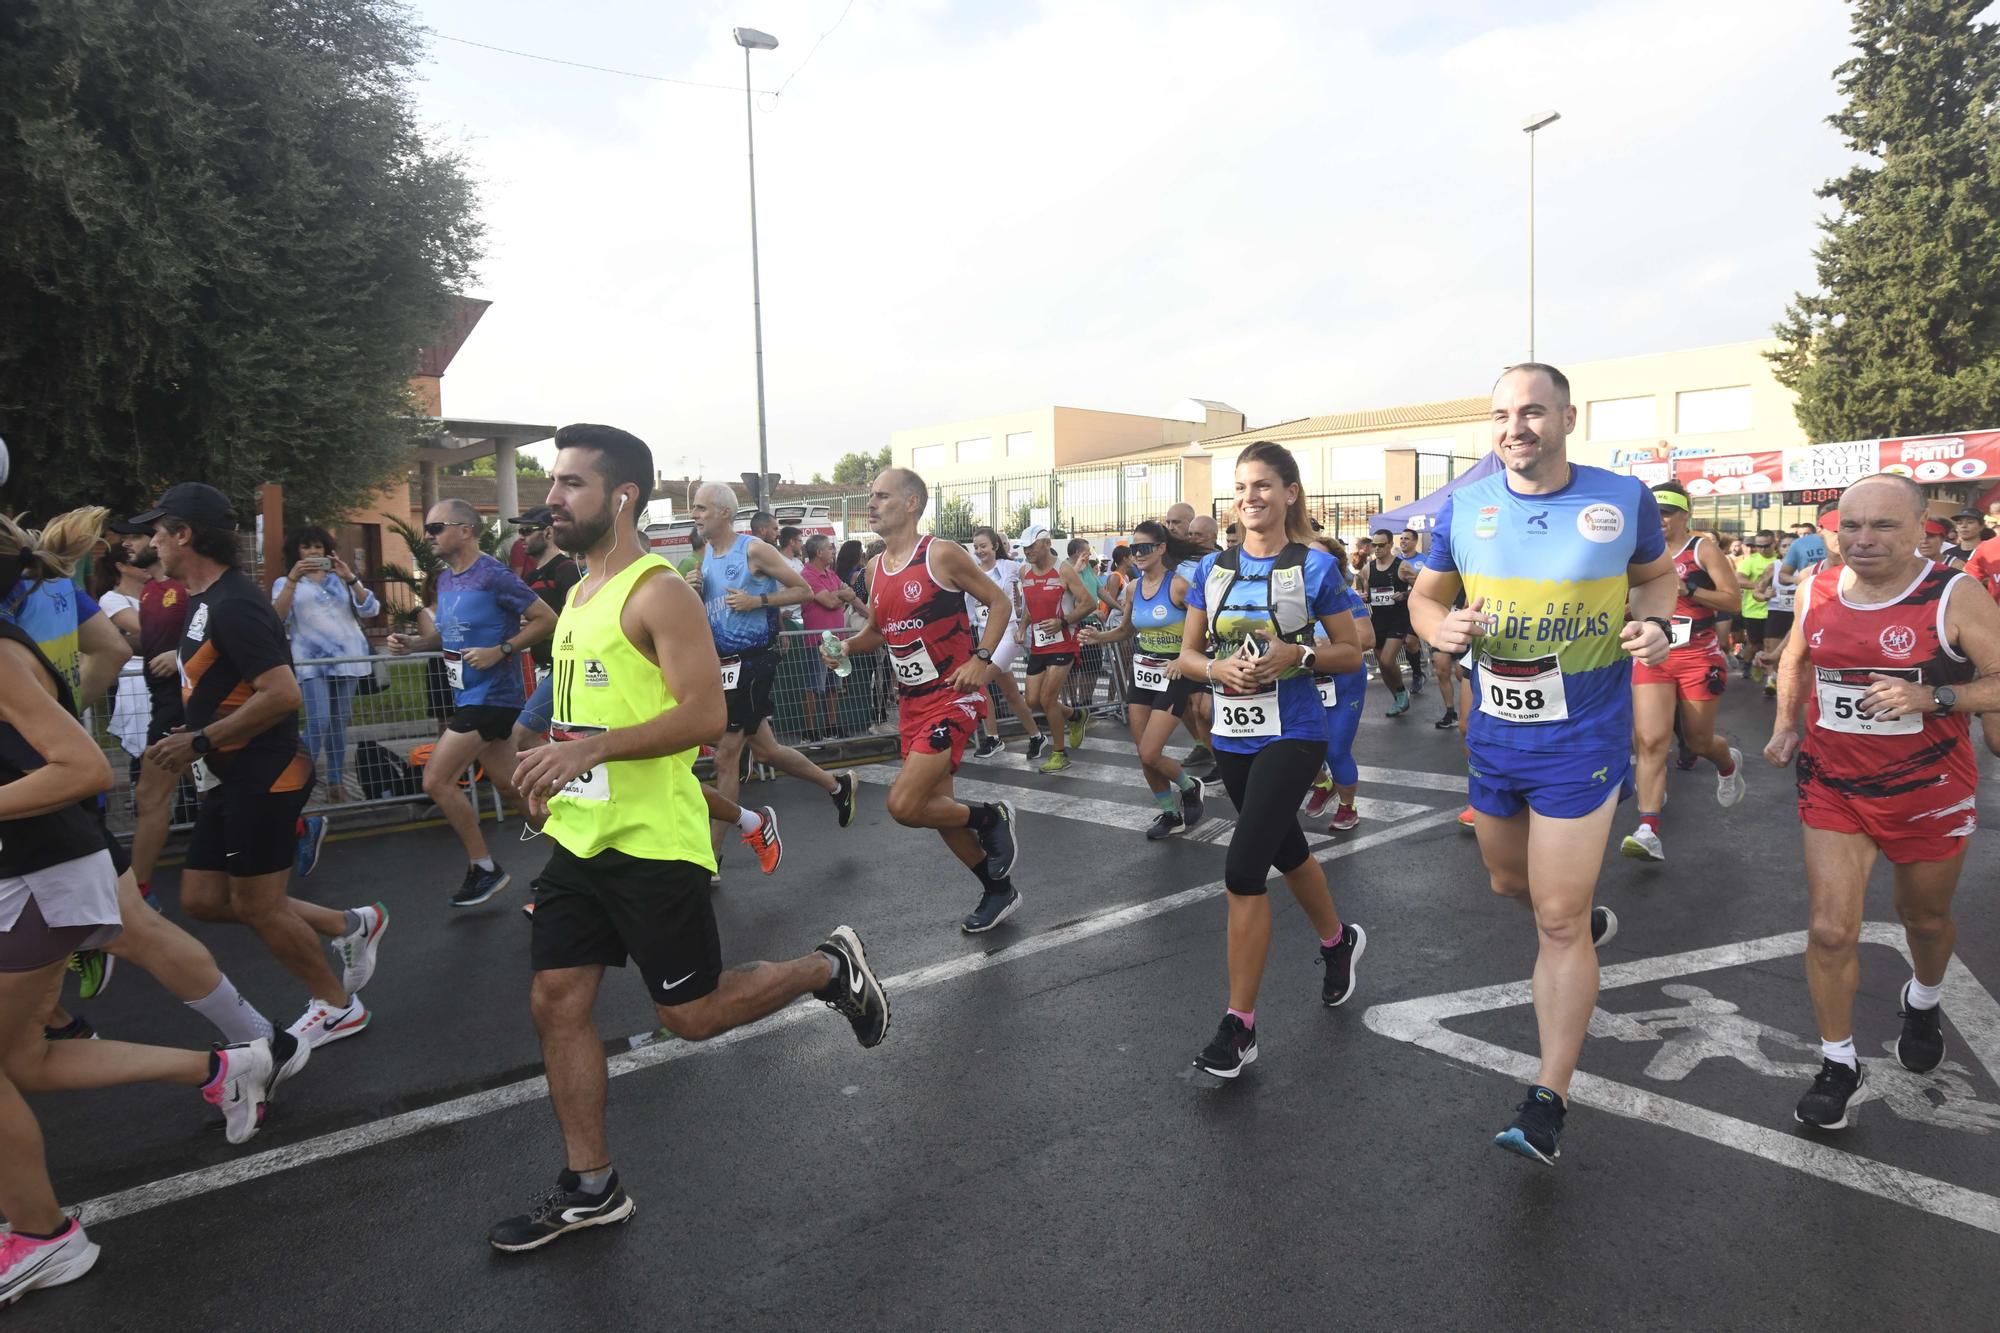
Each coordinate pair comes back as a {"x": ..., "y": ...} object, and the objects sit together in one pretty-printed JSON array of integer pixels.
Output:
[{"x": 1928, "y": 459}]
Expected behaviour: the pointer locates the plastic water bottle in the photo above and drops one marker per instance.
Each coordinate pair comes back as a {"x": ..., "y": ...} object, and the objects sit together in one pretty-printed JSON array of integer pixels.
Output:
[{"x": 843, "y": 666}]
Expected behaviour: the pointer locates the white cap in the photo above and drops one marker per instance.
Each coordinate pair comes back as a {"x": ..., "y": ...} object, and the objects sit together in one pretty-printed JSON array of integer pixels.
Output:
[{"x": 1033, "y": 533}]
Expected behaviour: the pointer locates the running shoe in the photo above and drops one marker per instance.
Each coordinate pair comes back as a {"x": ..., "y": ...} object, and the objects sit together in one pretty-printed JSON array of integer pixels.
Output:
[
  {"x": 93, "y": 968},
  {"x": 1416, "y": 684},
  {"x": 1055, "y": 763},
  {"x": 1345, "y": 819},
  {"x": 26, "y": 1264},
  {"x": 1038, "y": 745},
  {"x": 1684, "y": 758},
  {"x": 1165, "y": 825},
  {"x": 1002, "y": 851},
  {"x": 1233, "y": 1047},
  {"x": 1448, "y": 721},
  {"x": 1399, "y": 707},
  {"x": 1077, "y": 726},
  {"x": 357, "y": 947},
  {"x": 1920, "y": 1048},
  {"x": 1770, "y": 689},
  {"x": 1320, "y": 795},
  {"x": 1191, "y": 799},
  {"x": 1603, "y": 926},
  {"x": 241, "y": 1087},
  {"x": 762, "y": 840},
  {"x": 310, "y": 841},
  {"x": 843, "y": 801},
  {"x": 987, "y": 745},
  {"x": 1339, "y": 961},
  {"x": 1468, "y": 818},
  {"x": 77, "y": 1029},
  {"x": 288, "y": 1057},
  {"x": 1537, "y": 1129},
  {"x": 528, "y": 909},
  {"x": 322, "y": 1023},
  {"x": 1729, "y": 790},
  {"x": 1643, "y": 844},
  {"x": 1199, "y": 757},
  {"x": 995, "y": 906},
  {"x": 480, "y": 885},
  {"x": 855, "y": 990},
  {"x": 564, "y": 1208},
  {"x": 1825, "y": 1104}
]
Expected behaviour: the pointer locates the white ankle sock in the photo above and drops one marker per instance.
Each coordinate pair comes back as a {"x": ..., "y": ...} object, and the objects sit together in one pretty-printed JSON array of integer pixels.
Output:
[
  {"x": 1922, "y": 996},
  {"x": 232, "y": 1015},
  {"x": 749, "y": 821},
  {"x": 1842, "y": 1051}
]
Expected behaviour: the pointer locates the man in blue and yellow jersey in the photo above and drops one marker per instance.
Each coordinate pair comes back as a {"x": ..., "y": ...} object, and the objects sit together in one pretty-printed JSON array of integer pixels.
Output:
[
  {"x": 636, "y": 692},
  {"x": 1548, "y": 553}
]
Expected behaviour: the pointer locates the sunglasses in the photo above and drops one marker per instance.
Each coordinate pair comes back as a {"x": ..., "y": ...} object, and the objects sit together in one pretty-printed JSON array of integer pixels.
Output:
[
  {"x": 1144, "y": 548},
  {"x": 435, "y": 529},
  {"x": 532, "y": 530}
]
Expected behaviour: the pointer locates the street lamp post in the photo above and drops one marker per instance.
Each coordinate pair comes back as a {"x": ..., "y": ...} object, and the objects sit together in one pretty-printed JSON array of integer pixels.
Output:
[
  {"x": 1528, "y": 128},
  {"x": 752, "y": 40}
]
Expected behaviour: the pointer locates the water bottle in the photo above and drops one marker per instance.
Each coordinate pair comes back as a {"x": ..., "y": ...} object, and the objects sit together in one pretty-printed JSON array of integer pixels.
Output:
[{"x": 842, "y": 666}]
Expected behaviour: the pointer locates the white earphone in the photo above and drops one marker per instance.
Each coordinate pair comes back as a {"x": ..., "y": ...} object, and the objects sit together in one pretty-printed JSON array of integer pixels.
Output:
[{"x": 621, "y": 503}]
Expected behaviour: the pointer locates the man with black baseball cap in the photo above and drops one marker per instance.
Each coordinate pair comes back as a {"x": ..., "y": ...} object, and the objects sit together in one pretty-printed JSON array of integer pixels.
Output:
[
  {"x": 240, "y": 736},
  {"x": 554, "y": 573}
]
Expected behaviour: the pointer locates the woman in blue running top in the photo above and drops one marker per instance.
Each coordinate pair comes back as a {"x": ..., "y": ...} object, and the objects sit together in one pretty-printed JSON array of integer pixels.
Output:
[
  {"x": 1342, "y": 695},
  {"x": 1249, "y": 640},
  {"x": 1153, "y": 609}
]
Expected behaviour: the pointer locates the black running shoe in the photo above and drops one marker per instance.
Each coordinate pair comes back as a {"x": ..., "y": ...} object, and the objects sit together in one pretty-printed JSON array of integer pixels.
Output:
[
  {"x": 77, "y": 1029},
  {"x": 1537, "y": 1129},
  {"x": 855, "y": 991},
  {"x": 480, "y": 885},
  {"x": 995, "y": 906},
  {"x": 1603, "y": 926},
  {"x": 1825, "y": 1104},
  {"x": 1165, "y": 825},
  {"x": 1448, "y": 721},
  {"x": 1199, "y": 757},
  {"x": 843, "y": 798},
  {"x": 987, "y": 745},
  {"x": 1002, "y": 851},
  {"x": 1338, "y": 984},
  {"x": 1921, "y": 1047},
  {"x": 1038, "y": 746},
  {"x": 564, "y": 1208},
  {"x": 1234, "y": 1046},
  {"x": 1191, "y": 802}
]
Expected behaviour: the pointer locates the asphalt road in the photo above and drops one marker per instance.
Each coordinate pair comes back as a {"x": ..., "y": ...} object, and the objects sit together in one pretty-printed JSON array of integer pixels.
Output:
[{"x": 1030, "y": 1148}]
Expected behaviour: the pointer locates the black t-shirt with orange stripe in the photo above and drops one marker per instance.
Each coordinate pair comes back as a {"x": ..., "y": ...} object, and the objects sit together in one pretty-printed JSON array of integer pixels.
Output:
[{"x": 232, "y": 637}]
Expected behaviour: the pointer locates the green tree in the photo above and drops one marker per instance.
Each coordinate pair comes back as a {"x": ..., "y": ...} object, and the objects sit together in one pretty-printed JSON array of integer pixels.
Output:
[
  {"x": 1903, "y": 335},
  {"x": 525, "y": 465},
  {"x": 228, "y": 235},
  {"x": 855, "y": 469},
  {"x": 952, "y": 519}
]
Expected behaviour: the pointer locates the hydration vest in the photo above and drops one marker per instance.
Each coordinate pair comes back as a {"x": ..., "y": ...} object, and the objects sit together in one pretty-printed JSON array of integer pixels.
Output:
[{"x": 1286, "y": 598}]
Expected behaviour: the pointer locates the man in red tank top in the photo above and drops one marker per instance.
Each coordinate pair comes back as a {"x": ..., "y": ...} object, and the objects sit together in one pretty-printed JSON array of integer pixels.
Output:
[
  {"x": 1054, "y": 602},
  {"x": 1888, "y": 658},
  {"x": 917, "y": 589}
]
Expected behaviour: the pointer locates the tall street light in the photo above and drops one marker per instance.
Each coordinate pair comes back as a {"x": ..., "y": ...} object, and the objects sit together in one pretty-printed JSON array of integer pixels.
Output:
[
  {"x": 1528, "y": 128},
  {"x": 752, "y": 40}
]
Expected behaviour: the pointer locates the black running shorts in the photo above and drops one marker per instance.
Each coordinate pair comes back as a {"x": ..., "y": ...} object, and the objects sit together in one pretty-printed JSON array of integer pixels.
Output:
[
  {"x": 242, "y": 831},
  {"x": 1040, "y": 662},
  {"x": 750, "y": 703},
  {"x": 492, "y": 722},
  {"x": 597, "y": 911}
]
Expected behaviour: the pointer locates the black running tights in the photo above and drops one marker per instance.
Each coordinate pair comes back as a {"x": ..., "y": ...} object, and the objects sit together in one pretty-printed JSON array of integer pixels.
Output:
[{"x": 1267, "y": 787}]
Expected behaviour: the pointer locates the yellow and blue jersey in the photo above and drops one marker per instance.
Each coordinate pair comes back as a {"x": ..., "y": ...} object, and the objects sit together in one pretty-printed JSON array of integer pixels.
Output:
[
  {"x": 1553, "y": 571},
  {"x": 1246, "y": 610}
]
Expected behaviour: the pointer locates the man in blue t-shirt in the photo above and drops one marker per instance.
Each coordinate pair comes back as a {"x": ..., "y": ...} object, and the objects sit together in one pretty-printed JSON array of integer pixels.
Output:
[
  {"x": 485, "y": 617},
  {"x": 1808, "y": 550},
  {"x": 1549, "y": 555}
]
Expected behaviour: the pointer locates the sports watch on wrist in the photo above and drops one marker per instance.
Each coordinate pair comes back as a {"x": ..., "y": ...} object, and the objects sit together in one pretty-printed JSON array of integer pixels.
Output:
[
  {"x": 507, "y": 648},
  {"x": 983, "y": 656},
  {"x": 202, "y": 744},
  {"x": 1943, "y": 700},
  {"x": 1666, "y": 626}
]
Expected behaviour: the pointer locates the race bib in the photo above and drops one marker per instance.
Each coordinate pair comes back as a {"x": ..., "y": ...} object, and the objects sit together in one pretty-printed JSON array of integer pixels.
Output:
[
  {"x": 1522, "y": 689},
  {"x": 1681, "y": 633},
  {"x": 1840, "y": 704},
  {"x": 1329, "y": 694},
  {"x": 454, "y": 669},
  {"x": 1046, "y": 637},
  {"x": 1245, "y": 716},
  {"x": 204, "y": 777},
  {"x": 593, "y": 784},
  {"x": 1149, "y": 673},
  {"x": 1381, "y": 597},
  {"x": 912, "y": 665},
  {"x": 732, "y": 671}
]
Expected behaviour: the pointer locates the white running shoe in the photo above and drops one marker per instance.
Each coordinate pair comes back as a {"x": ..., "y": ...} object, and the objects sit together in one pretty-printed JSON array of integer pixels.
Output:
[
  {"x": 1642, "y": 844},
  {"x": 357, "y": 947},
  {"x": 1729, "y": 790},
  {"x": 241, "y": 1088},
  {"x": 27, "y": 1264},
  {"x": 323, "y": 1022}
]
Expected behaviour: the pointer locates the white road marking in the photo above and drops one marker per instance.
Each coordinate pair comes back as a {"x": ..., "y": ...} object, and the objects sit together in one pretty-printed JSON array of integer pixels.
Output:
[
  {"x": 1124, "y": 775},
  {"x": 1972, "y": 1011},
  {"x": 173, "y": 1189},
  {"x": 1388, "y": 777},
  {"x": 1062, "y": 804}
]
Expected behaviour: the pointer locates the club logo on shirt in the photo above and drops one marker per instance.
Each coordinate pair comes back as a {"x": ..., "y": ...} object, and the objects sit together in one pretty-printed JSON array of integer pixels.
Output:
[
  {"x": 1898, "y": 641},
  {"x": 594, "y": 673},
  {"x": 198, "y": 625},
  {"x": 913, "y": 590},
  {"x": 1488, "y": 522},
  {"x": 1286, "y": 579},
  {"x": 1159, "y": 612},
  {"x": 1601, "y": 523},
  {"x": 1539, "y": 522}
]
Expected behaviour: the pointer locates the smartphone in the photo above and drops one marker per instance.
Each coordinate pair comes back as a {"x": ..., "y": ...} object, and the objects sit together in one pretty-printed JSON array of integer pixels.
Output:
[{"x": 318, "y": 562}]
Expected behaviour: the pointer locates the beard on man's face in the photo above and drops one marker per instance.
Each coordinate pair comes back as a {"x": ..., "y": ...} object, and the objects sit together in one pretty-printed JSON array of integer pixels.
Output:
[
  {"x": 146, "y": 559},
  {"x": 581, "y": 534}
]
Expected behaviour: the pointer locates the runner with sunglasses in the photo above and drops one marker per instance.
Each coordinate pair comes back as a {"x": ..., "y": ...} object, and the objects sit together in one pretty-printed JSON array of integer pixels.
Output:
[{"x": 1154, "y": 611}]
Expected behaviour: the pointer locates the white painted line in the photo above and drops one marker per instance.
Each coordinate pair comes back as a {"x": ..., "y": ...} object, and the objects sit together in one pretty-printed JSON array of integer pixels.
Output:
[
  {"x": 1421, "y": 1022},
  {"x": 1125, "y": 775},
  {"x": 1387, "y": 777},
  {"x": 188, "y": 1185},
  {"x": 1064, "y": 804}
]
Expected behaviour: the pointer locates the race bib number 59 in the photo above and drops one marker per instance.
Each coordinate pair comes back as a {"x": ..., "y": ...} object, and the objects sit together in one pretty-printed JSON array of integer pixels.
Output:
[{"x": 1839, "y": 695}]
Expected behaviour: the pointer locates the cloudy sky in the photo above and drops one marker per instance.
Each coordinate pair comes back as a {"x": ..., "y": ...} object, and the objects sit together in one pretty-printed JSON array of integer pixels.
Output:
[{"x": 971, "y": 206}]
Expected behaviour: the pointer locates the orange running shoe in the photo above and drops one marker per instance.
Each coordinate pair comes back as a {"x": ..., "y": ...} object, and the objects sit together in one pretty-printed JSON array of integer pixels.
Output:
[
  {"x": 764, "y": 841},
  {"x": 1465, "y": 818}
]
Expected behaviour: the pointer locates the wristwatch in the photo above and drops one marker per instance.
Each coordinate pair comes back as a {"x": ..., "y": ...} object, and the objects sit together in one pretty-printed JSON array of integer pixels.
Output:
[
  {"x": 1308, "y": 658},
  {"x": 507, "y": 648},
  {"x": 983, "y": 656},
  {"x": 202, "y": 744},
  {"x": 1666, "y": 626},
  {"x": 1945, "y": 699}
]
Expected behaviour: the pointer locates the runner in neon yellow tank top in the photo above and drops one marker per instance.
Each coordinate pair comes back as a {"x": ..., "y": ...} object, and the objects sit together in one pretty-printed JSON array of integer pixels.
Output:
[{"x": 637, "y": 690}]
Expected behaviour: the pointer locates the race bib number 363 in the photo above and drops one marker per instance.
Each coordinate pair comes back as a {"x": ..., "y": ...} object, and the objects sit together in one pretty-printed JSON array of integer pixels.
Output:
[{"x": 1246, "y": 716}]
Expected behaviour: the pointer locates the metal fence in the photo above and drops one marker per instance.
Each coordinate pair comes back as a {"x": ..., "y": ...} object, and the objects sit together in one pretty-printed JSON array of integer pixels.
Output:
[{"x": 1088, "y": 499}]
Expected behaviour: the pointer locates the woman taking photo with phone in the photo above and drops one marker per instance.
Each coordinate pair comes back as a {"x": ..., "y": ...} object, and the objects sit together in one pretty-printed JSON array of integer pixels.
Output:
[
  {"x": 1249, "y": 640},
  {"x": 323, "y": 604}
]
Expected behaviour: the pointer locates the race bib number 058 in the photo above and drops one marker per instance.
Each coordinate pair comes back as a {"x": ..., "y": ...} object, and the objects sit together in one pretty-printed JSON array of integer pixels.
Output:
[{"x": 1522, "y": 689}]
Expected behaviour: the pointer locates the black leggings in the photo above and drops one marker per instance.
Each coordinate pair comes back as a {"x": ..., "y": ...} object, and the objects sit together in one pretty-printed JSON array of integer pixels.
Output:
[{"x": 1267, "y": 787}]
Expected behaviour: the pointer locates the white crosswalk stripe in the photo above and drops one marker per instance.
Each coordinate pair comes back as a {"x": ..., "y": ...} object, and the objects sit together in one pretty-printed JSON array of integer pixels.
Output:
[
  {"x": 1083, "y": 769},
  {"x": 1387, "y": 777}
]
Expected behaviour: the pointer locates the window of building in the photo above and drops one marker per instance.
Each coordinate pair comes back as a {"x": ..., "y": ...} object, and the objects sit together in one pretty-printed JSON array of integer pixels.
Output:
[
  {"x": 1020, "y": 444},
  {"x": 976, "y": 451},
  {"x": 926, "y": 456},
  {"x": 1710, "y": 411},
  {"x": 1623, "y": 418}
]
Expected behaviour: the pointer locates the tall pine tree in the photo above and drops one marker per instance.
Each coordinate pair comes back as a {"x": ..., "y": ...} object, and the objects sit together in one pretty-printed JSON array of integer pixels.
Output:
[{"x": 1903, "y": 335}]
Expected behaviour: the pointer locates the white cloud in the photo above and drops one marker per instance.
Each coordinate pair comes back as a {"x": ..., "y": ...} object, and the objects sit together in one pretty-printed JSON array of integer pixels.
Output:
[{"x": 1117, "y": 204}]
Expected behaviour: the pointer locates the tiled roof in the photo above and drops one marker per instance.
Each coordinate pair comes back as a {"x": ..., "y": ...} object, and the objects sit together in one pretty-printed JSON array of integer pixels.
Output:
[{"x": 1453, "y": 411}]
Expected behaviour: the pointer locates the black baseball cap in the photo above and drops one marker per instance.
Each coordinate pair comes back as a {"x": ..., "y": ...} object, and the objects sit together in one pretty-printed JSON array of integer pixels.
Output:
[
  {"x": 192, "y": 502},
  {"x": 1968, "y": 512},
  {"x": 540, "y": 516},
  {"x": 126, "y": 527}
]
